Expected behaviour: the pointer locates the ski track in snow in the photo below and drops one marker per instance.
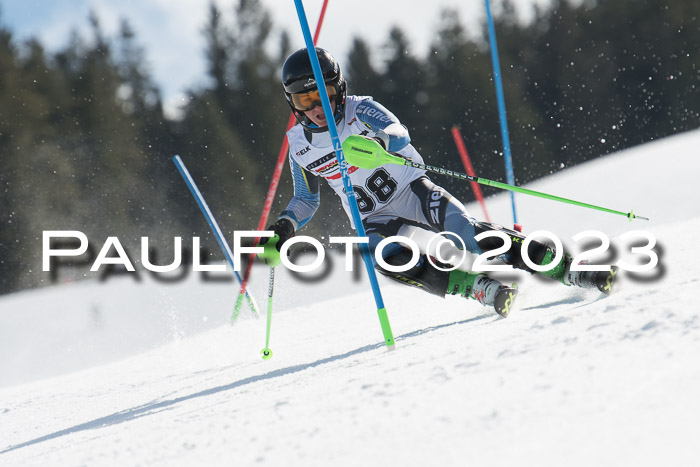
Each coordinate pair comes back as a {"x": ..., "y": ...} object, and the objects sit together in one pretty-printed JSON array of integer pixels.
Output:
[{"x": 569, "y": 378}]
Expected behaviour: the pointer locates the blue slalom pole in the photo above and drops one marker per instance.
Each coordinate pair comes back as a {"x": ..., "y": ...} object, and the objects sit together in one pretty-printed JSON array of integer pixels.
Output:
[
  {"x": 343, "y": 165},
  {"x": 213, "y": 224},
  {"x": 501, "y": 106}
]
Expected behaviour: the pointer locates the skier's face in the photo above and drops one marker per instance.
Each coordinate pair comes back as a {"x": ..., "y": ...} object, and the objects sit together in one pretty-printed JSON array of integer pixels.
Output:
[{"x": 317, "y": 116}]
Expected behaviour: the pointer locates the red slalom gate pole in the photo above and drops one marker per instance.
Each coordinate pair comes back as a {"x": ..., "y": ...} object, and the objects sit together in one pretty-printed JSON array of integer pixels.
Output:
[
  {"x": 457, "y": 136},
  {"x": 274, "y": 183}
]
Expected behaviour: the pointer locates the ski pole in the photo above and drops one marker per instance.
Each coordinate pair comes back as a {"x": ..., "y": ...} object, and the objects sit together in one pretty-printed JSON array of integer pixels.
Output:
[
  {"x": 366, "y": 153},
  {"x": 266, "y": 352},
  {"x": 212, "y": 224}
]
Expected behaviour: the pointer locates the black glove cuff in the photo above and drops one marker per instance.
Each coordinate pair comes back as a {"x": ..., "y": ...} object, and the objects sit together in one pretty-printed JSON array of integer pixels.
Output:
[{"x": 284, "y": 228}]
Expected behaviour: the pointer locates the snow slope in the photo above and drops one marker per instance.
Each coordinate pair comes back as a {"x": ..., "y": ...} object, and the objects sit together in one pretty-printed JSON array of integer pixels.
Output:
[{"x": 569, "y": 378}]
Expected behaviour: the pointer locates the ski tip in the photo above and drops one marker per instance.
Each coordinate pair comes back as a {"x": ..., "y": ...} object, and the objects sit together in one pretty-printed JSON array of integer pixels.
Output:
[
  {"x": 504, "y": 300},
  {"x": 605, "y": 280}
]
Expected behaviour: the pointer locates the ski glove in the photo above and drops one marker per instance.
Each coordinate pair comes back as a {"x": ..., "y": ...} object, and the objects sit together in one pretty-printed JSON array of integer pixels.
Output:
[
  {"x": 381, "y": 138},
  {"x": 284, "y": 230},
  {"x": 270, "y": 254}
]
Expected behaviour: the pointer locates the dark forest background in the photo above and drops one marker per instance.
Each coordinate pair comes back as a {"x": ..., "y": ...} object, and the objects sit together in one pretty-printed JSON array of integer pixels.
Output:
[{"x": 85, "y": 145}]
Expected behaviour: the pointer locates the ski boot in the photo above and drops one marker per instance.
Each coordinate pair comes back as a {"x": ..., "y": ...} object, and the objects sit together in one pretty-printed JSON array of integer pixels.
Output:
[
  {"x": 488, "y": 292},
  {"x": 601, "y": 280}
]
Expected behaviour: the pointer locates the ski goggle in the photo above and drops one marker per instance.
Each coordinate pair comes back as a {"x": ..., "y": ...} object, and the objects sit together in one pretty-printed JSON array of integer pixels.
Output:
[{"x": 308, "y": 100}]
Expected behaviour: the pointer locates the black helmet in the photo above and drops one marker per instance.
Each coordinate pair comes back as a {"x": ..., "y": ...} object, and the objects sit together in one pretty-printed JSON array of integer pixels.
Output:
[{"x": 298, "y": 79}]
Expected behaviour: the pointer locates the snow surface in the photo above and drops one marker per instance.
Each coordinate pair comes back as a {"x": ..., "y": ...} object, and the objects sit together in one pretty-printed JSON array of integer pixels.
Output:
[{"x": 126, "y": 373}]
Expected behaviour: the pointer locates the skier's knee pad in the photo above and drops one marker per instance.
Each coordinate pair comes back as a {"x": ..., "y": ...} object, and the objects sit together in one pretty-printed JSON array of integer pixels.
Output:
[
  {"x": 536, "y": 250},
  {"x": 422, "y": 275}
]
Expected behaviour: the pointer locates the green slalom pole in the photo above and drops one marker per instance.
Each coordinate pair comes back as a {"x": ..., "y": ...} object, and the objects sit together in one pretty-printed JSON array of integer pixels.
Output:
[
  {"x": 367, "y": 153},
  {"x": 266, "y": 352}
]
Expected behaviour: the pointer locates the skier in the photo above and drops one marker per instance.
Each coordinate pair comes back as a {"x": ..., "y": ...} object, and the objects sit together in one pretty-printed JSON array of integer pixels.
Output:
[{"x": 391, "y": 196}]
